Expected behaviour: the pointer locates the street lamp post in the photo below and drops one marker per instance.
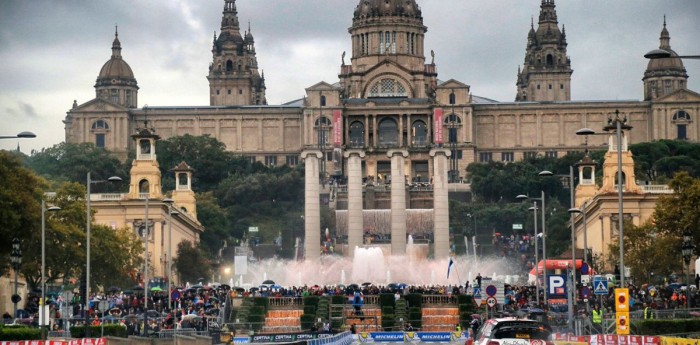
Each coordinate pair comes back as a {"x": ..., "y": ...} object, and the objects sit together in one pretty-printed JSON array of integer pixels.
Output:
[
  {"x": 544, "y": 234},
  {"x": 617, "y": 125},
  {"x": 20, "y": 135},
  {"x": 42, "y": 314},
  {"x": 582, "y": 211},
  {"x": 87, "y": 234},
  {"x": 537, "y": 255},
  {"x": 687, "y": 251},
  {"x": 16, "y": 260}
]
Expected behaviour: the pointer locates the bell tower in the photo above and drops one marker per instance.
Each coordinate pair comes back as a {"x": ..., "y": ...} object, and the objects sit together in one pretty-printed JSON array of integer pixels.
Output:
[
  {"x": 183, "y": 195},
  {"x": 233, "y": 74},
  {"x": 145, "y": 171},
  {"x": 546, "y": 72}
]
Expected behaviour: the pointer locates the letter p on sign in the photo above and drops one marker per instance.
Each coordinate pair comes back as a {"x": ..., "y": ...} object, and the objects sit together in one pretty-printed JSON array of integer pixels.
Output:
[{"x": 557, "y": 285}]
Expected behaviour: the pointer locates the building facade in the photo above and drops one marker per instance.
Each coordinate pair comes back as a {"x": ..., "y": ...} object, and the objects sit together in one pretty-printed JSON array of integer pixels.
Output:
[{"x": 389, "y": 119}]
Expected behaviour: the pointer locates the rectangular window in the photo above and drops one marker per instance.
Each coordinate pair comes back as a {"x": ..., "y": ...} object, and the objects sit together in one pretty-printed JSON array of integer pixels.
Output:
[
  {"x": 292, "y": 160},
  {"x": 251, "y": 159},
  {"x": 329, "y": 156},
  {"x": 115, "y": 96},
  {"x": 682, "y": 135},
  {"x": 507, "y": 156},
  {"x": 457, "y": 154},
  {"x": 530, "y": 154},
  {"x": 551, "y": 154},
  {"x": 100, "y": 140},
  {"x": 271, "y": 161},
  {"x": 229, "y": 92},
  {"x": 668, "y": 85},
  {"x": 485, "y": 157},
  {"x": 128, "y": 98}
]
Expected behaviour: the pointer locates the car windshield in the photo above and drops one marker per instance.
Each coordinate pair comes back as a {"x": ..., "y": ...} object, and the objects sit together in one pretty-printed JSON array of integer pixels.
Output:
[{"x": 521, "y": 330}]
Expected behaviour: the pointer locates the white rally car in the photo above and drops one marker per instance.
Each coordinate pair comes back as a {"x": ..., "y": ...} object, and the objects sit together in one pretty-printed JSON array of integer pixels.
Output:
[{"x": 513, "y": 331}]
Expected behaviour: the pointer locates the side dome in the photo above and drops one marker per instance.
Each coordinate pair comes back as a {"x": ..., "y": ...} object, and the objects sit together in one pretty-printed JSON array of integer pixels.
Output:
[
  {"x": 671, "y": 66},
  {"x": 387, "y": 8},
  {"x": 116, "y": 70}
]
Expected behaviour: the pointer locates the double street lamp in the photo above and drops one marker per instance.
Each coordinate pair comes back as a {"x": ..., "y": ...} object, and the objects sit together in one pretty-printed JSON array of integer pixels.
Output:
[
  {"x": 618, "y": 125},
  {"x": 16, "y": 260},
  {"x": 544, "y": 237}
]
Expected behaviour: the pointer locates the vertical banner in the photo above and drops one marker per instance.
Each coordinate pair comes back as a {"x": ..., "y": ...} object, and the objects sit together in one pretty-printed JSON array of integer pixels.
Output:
[
  {"x": 337, "y": 142},
  {"x": 337, "y": 128},
  {"x": 437, "y": 126}
]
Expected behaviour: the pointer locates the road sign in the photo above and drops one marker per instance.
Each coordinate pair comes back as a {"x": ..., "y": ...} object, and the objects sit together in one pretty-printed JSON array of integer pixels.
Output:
[
  {"x": 175, "y": 295},
  {"x": 585, "y": 292},
  {"x": 517, "y": 226},
  {"x": 491, "y": 302},
  {"x": 600, "y": 286},
  {"x": 623, "y": 323},
  {"x": 103, "y": 306},
  {"x": 622, "y": 301},
  {"x": 556, "y": 286},
  {"x": 252, "y": 229},
  {"x": 585, "y": 269},
  {"x": 491, "y": 290}
]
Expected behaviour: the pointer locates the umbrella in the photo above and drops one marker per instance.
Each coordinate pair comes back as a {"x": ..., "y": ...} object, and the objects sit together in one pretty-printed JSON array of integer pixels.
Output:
[
  {"x": 224, "y": 287},
  {"x": 128, "y": 292},
  {"x": 238, "y": 289},
  {"x": 195, "y": 287},
  {"x": 213, "y": 299},
  {"x": 352, "y": 287},
  {"x": 114, "y": 289},
  {"x": 190, "y": 316},
  {"x": 153, "y": 313},
  {"x": 269, "y": 282},
  {"x": 156, "y": 289},
  {"x": 137, "y": 288},
  {"x": 253, "y": 289},
  {"x": 366, "y": 284}
]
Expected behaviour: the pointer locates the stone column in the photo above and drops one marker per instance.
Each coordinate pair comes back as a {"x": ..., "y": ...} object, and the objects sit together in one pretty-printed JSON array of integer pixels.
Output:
[
  {"x": 398, "y": 202},
  {"x": 355, "y": 223},
  {"x": 312, "y": 205},
  {"x": 441, "y": 210}
]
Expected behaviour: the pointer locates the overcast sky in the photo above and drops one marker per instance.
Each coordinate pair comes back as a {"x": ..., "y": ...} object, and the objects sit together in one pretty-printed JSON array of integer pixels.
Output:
[{"x": 52, "y": 51}]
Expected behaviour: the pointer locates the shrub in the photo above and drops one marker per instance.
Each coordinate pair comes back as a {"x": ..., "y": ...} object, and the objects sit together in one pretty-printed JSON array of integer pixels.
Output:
[
  {"x": 388, "y": 322},
  {"x": 387, "y": 310},
  {"x": 311, "y": 300},
  {"x": 307, "y": 320},
  {"x": 261, "y": 302},
  {"x": 20, "y": 333},
  {"x": 338, "y": 299},
  {"x": 109, "y": 330},
  {"x": 414, "y": 300}
]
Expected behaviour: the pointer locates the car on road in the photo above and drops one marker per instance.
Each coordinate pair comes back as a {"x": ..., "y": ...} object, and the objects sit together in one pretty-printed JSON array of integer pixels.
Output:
[{"x": 513, "y": 331}]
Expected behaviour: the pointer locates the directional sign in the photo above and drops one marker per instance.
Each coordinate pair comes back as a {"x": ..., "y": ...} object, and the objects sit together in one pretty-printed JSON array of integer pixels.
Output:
[
  {"x": 600, "y": 286},
  {"x": 491, "y": 302}
]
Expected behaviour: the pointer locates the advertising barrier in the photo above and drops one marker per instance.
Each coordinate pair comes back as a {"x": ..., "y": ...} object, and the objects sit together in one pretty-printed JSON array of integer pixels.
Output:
[
  {"x": 84, "y": 341},
  {"x": 413, "y": 337}
]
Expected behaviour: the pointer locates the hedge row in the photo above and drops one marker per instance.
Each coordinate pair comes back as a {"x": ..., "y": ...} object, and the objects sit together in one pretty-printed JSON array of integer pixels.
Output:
[
  {"x": 659, "y": 327},
  {"x": 19, "y": 333},
  {"x": 109, "y": 330}
]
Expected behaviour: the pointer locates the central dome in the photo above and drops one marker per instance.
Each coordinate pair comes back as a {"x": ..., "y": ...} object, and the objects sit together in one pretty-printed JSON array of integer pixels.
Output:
[{"x": 387, "y": 8}]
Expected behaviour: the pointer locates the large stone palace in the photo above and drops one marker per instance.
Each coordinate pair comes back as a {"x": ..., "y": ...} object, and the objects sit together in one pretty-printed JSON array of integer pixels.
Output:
[{"x": 388, "y": 120}]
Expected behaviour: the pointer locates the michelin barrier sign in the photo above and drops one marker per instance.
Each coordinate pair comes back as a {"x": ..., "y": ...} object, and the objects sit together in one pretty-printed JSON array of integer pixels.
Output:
[{"x": 412, "y": 337}]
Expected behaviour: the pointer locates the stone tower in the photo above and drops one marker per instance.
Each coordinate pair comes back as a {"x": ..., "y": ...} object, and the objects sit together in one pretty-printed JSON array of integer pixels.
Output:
[
  {"x": 116, "y": 82},
  {"x": 145, "y": 171},
  {"x": 233, "y": 75},
  {"x": 388, "y": 58},
  {"x": 183, "y": 195},
  {"x": 546, "y": 72},
  {"x": 664, "y": 76}
]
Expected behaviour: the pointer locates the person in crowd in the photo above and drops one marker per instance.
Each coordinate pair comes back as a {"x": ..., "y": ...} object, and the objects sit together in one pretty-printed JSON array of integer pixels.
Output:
[{"x": 597, "y": 319}]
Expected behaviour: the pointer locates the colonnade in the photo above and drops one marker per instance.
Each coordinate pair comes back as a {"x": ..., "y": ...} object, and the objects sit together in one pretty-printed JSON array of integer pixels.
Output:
[{"x": 312, "y": 207}]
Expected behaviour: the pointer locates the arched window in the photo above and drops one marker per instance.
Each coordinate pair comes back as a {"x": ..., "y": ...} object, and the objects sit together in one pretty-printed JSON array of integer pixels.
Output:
[
  {"x": 183, "y": 179},
  {"x": 229, "y": 66},
  {"x": 681, "y": 118},
  {"x": 452, "y": 98},
  {"x": 357, "y": 134},
  {"x": 388, "y": 133},
  {"x": 387, "y": 88},
  {"x": 143, "y": 186},
  {"x": 624, "y": 179},
  {"x": 323, "y": 101},
  {"x": 100, "y": 125},
  {"x": 419, "y": 133},
  {"x": 550, "y": 60},
  {"x": 145, "y": 146}
]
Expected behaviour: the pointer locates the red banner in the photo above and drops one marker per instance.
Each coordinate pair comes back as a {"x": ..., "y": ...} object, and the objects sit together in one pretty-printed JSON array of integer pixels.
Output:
[
  {"x": 337, "y": 128},
  {"x": 437, "y": 126},
  {"x": 83, "y": 341}
]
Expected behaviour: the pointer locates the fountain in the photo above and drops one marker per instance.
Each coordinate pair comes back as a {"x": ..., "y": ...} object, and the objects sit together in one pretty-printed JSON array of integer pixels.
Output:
[{"x": 372, "y": 264}]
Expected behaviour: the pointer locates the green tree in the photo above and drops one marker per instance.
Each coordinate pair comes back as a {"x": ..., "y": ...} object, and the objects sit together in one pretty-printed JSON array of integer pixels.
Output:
[
  {"x": 20, "y": 210},
  {"x": 71, "y": 162},
  {"x": 206, "y": 155},
  {"x": 680, "y": 212},
  {"x": 191, "y": 263},
  {"x": 213, "y": 218}
]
